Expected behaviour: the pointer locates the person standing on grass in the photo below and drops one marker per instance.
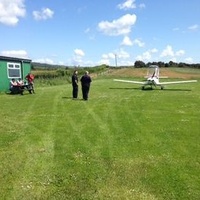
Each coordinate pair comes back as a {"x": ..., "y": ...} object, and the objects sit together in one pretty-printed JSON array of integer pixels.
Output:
[
  {"x": 30, "y": 78},
  {"x": 75, "y": 84},
  {"x": 85, "y": 83}
]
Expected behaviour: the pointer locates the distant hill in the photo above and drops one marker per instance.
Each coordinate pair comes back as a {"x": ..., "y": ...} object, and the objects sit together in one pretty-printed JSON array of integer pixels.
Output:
[
  {"x": 37, "y": 65},
  {"x": 138, "y": 64}
]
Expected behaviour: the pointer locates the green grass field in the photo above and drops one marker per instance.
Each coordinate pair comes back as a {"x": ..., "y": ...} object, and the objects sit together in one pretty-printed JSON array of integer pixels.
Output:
[{"x": 124, "y": 143}]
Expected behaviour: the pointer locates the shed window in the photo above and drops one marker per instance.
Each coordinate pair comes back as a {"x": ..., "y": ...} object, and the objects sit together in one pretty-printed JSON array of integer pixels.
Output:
[{"x": 14, "y": 70}]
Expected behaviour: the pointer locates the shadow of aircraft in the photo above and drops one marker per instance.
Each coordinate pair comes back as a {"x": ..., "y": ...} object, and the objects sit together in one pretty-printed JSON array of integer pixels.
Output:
[
  {"x": 151, "y": 89},
  {"x": 124, "y": 88},
  {"x": 178, "y": 90}
]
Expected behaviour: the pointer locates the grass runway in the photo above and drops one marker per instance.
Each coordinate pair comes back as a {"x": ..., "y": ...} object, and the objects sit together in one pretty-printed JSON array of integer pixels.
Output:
[{"x": 124, "y": 143}]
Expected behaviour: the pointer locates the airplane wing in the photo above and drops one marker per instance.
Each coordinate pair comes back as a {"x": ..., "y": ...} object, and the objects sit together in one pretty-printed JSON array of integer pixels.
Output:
[
  {"x": 177, "y": 82},
  {"x": 127, "y": 81}
]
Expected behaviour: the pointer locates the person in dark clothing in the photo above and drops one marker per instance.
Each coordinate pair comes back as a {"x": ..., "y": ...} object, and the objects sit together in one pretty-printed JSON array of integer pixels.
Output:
[
  {"x": 85, "y": 83},
  {"x": 75, "y": 84}
]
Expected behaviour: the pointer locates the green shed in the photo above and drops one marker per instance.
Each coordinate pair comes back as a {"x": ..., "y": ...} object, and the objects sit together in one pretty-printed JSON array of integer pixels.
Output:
[{"x": 12, "y": 68}]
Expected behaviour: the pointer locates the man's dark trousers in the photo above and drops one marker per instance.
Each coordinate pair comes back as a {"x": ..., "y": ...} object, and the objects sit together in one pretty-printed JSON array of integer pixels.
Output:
[{"x": 75, "y": 91}]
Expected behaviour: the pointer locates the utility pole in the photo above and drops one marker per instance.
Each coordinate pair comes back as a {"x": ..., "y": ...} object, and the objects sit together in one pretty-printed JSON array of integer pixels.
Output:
[{"x": 115, "y": 59}]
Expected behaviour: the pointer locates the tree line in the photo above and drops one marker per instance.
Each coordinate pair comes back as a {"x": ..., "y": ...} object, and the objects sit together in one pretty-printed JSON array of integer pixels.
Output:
[{"x": 140, "y": 64}]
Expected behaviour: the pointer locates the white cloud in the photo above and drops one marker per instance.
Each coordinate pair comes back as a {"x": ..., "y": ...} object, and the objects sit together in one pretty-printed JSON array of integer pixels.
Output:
[
  {"x": 123, "y": 54},
  {"x": 15, "y": 53},
  {"x": 104, "y": 62},
  {"x": 128, "y": 4},
  {"x": 173, "y": 59},
  {"x": 44, "y": 14},
  {"x": 120, "y": 54},
  {"x": 108, "y": 56},
  {"x": 111, "y": 58},
  {"x": 78, "y": 57},
  {"x": 168, "y": 51},
  {"x": 79, "y": 52},
  {"x": 44, "y": 60},
  {"x": 147, "y": 56},
  {"x": 180, "y": 53},
  {"x": 91, "y": 36},
  {"x": 154, "y": 50},
  {"x": 121, "y": 26},
  {"x": 122, "y": 58},
  {"x": 11, "y": 11},
  {"x": 107, "y": 59},
  {"x": 139, "y": 43},
  {"x": 127, "y": 41},
  {"x": 193, "y": 27},
  {"x": 189, "y": 60},
  {"x": 126, "y": 63},
  {"x": 142, "y": 5}
]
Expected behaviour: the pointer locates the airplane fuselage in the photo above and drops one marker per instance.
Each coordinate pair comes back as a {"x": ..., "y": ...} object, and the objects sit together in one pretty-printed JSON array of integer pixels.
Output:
[{"x": 152, "y": 81}]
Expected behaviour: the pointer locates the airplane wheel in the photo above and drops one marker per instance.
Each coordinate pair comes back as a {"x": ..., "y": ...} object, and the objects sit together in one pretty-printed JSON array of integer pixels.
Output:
[
  {"x": 162, "y": 88},
  {"x": 142, "y": 87}
]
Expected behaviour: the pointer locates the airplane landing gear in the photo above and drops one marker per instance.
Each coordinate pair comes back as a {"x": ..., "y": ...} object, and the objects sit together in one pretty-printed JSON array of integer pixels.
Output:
[{"x": 143, "y": 87}]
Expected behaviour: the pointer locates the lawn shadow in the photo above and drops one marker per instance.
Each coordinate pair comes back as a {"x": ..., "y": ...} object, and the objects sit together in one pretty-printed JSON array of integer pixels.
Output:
[
  {"x": 151, "y": 89},
  {"x": 70, "y": 98},
  {"x": 178, "y": 90},
  {"x": 166, "y": 89},
  {"x": 26, "y": 93},
  {"x": 125, "y": 88},
  {"x": 66, "y": 97},
  {"x": 136, "y": 88}
]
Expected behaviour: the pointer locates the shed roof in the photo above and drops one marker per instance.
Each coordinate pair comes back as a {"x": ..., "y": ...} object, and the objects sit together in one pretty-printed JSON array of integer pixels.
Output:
[{"x": 15, "y": 59}]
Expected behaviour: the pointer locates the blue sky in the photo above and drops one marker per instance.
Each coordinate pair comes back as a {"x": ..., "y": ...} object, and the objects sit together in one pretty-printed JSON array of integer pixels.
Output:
[{"x": 93, "y": 32}]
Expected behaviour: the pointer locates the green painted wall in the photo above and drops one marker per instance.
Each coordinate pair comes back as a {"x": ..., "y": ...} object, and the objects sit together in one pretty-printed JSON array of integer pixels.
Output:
[
  {"x": 26, "y": 68},
  {"x": 3, "y": 76},
  {"x": 4, "y": 80}
]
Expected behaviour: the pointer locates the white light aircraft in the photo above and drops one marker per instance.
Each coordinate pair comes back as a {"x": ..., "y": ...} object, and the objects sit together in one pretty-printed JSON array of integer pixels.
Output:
[{"x": 153, "y": 79}]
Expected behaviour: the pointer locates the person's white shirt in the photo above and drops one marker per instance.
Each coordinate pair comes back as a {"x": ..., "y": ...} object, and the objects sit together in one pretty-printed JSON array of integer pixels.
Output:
[
  {"x": 20, "y": 82},
  {"x": 13, "y": 83}
]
